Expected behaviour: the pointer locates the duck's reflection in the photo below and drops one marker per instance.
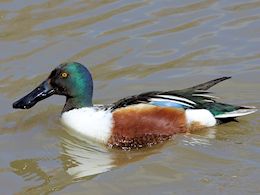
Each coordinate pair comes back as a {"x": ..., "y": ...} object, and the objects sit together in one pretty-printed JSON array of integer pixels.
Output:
[
  {"x": 200, "y": 137},
  {"x": 85, "y": 158},
  {"x": 81, "y": 159},
  {"x": 37, "y": 179},
  {"x": 77, "y": 160}
]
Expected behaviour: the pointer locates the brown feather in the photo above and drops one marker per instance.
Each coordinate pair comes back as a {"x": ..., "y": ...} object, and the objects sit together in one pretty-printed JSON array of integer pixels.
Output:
[{"x": 144, "y": 125}]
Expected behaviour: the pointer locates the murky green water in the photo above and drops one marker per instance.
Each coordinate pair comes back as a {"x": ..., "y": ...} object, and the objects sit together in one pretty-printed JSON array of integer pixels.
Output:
[{"x": 130, "y": 47}]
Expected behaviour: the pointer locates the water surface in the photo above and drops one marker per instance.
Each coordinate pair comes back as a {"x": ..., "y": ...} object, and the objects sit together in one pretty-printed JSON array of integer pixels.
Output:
[{"x": 130, "y": 47}]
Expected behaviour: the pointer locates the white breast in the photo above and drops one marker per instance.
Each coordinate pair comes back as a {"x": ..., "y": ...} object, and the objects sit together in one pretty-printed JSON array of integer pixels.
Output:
[{"x": 91, "y": 122}]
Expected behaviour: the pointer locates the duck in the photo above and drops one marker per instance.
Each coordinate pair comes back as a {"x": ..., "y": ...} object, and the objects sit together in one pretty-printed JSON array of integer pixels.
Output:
[{"x": 136, "y": 121}]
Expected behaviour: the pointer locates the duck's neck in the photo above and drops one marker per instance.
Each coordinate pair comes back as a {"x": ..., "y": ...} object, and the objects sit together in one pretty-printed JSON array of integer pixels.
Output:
[{"x": 77, "y": 102}]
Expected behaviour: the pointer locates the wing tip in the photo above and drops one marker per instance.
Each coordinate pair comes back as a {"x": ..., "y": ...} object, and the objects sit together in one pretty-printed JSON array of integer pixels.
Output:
[{"x": 205, "y": 86}]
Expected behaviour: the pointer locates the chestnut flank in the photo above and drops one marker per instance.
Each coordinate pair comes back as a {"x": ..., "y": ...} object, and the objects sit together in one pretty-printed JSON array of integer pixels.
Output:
[{"x": 145, "y": 125}]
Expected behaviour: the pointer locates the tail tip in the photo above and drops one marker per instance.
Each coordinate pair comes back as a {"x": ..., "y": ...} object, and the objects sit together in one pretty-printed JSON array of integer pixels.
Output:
[{"x": 242, "y": 111}]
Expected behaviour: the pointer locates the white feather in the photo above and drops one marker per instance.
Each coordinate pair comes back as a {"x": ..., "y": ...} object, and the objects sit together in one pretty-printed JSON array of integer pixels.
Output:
[
  {"x": 172, "y": 97},
  {"x": 202, "y": 116},
  {"x": 236, "y": 113},
  {"x": 89, "y": 121},
  {"x": 206, "y": 96},
  {"x": 167, "y": 100},
  {"x": 211, "y": 101}
]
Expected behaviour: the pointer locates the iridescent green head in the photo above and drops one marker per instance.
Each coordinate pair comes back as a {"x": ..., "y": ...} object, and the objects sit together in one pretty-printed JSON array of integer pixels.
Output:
[{"x": 72, "y": 80}]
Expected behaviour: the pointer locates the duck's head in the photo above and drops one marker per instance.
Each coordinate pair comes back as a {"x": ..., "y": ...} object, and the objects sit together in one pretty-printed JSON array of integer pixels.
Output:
[{"x": 72, "y": 80}]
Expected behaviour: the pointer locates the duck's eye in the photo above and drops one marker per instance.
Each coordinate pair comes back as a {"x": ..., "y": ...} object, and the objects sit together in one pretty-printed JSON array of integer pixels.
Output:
[{"x": 64, "y": 75}]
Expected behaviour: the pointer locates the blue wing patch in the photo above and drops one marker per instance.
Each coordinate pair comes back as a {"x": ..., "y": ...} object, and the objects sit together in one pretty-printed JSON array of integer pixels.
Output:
[
  {"x": 168, "y": 104},
  {"x": 171, "y": 101}
]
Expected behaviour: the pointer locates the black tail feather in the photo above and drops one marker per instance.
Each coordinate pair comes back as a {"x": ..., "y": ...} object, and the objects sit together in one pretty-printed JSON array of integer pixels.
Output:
[
  {"x": 209, "y": 84},
  {"x": 226, "y": 120}
]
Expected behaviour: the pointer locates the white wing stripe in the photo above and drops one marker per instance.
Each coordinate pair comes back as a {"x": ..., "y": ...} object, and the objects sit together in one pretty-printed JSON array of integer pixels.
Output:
[
  {"x": 206, "y": 96},
  {"x": 172, "y": 97},
  {"x": 210, "y": 101},
  {"x": 175, "y": 101}
]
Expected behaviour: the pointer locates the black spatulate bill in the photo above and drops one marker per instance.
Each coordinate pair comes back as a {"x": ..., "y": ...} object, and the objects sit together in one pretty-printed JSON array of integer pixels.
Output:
[{"x": 41, "y": 92}]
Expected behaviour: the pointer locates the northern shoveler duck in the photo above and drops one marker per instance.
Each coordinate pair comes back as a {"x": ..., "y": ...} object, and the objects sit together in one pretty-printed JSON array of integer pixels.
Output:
[{"x": 135, "y": 121}]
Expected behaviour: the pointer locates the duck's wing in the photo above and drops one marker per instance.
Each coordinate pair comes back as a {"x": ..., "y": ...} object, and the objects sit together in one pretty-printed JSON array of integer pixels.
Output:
[
  {"x": 166, "y": 99},
  {"x": 193, "y": 97}
]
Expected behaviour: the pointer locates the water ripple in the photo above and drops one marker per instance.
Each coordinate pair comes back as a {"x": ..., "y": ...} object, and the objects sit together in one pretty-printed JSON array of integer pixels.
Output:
[{"x": 130, "y": 47}]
